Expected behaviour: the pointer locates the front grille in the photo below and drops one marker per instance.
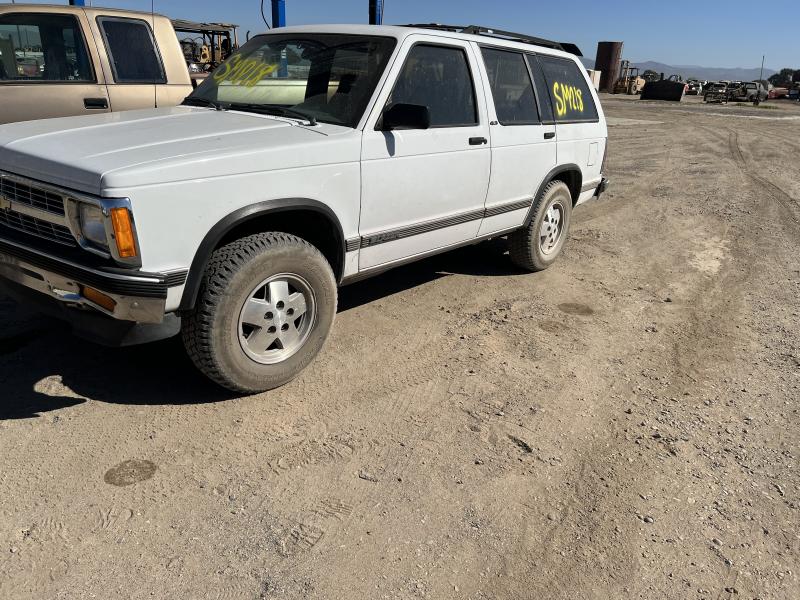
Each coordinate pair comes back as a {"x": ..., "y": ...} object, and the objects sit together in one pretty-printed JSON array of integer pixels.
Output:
[
  {"x": 33, "y": 226},
  {"x": 16, "y": 191},
  {"x": 35, "y": 209}
]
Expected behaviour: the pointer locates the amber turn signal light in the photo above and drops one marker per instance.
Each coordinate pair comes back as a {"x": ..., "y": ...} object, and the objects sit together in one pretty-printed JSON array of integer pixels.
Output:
[
  {"x": 98, "y": 298},
  {"x": 123, "y": 232}
]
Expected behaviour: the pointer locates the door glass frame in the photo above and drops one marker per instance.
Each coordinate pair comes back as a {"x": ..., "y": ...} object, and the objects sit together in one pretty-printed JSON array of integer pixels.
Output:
[
  {"x": 470, "y": 68},
  {"x": 523, "y": 57},
  {"x": 112, "y": 61},
  {"x": 86, "y": 50}
]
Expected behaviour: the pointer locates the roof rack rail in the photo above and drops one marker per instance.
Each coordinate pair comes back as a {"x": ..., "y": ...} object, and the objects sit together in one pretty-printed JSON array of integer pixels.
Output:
[{"x": 500, "y": 34}]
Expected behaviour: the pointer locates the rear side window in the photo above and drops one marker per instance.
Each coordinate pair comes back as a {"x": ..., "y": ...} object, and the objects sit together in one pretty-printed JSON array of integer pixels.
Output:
[
  {"x": 438, "y": 77},
  {"x": 132, "y": 51},
  {"x": 39, "y": 47},
  {"x": 572, "y": 99},
  {"x": 512, "y": 88}
]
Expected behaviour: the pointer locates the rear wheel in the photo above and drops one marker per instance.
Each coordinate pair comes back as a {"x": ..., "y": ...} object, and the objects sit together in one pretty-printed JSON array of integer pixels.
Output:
[
  {"x": 536, "y": 246},
  {"x": 265, "y": 308}
]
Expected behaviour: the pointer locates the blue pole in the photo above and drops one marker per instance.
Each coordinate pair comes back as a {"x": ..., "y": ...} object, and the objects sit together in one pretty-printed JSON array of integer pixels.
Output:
[
  {"x": 279, "y": 13},
  {"x": 279, "y": 20},
  {"x": 375, "y": 12}
]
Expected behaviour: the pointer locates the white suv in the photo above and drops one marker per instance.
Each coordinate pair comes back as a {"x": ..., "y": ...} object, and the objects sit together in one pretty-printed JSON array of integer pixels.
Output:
[{"x": 313, "y": 157}]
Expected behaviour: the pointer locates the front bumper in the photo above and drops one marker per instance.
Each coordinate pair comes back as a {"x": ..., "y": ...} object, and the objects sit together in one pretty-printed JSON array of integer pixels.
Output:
[{"x": 138, "y": 297}]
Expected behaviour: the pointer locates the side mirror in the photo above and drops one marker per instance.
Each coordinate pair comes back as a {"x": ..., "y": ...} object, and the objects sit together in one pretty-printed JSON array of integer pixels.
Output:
[{"x": 406, "y": 116}]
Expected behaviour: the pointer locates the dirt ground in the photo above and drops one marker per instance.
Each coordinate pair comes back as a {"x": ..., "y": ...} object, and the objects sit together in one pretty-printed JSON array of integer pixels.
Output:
[{"x": 624, "y": 425}]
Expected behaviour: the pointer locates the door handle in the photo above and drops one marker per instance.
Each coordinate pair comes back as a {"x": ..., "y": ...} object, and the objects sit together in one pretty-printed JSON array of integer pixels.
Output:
[
  {"x": 477, "y": 141},
  {"x": 95, "y": 103},
  {"x": 549, "y": 135}
]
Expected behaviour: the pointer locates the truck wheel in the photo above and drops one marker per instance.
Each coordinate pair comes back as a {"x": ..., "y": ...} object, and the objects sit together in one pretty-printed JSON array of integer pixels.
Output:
[
  {"x": 265, "y": 307},
  {"x": 536, "y": 246}
]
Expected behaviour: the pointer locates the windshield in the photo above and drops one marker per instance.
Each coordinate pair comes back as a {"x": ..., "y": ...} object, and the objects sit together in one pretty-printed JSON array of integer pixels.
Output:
[{"x": 326, "y": 77}]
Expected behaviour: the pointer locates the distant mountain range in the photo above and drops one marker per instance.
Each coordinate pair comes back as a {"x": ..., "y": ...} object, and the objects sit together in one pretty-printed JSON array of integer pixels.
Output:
[{"x": 696, "y": 72}]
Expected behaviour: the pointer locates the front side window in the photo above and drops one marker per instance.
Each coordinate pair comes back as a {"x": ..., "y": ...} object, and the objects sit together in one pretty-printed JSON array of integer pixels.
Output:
[
  {"x": 131, "y": 50},
  {"x": 511, "y": 85},
  {"x": 39, "y": 47},
  {"x": 330, "y": 77},
  {"x": 438, "y": 77},
  {"x": 572, "y": 99}
]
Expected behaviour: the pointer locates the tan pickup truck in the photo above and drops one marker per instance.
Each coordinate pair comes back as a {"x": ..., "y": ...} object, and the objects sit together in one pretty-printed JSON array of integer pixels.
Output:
[{"x": 58, "y": 61}]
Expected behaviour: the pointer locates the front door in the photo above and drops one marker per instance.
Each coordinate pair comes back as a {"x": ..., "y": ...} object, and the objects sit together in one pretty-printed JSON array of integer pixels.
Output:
[
  {"x": 425, "y": 189},
  {"x": 47, "y": 67}
]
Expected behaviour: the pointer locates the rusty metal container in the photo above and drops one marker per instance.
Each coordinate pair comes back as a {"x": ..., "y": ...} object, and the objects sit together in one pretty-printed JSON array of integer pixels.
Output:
[{"x": 609, "y": 57}]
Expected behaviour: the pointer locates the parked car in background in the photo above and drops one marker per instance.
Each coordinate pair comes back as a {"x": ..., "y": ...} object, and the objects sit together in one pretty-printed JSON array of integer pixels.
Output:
[
  {"x": 756, "y": 92},
  {"x": 694, "y": 87},
  {"x": 716, "y": 91},
  {"x": 778, "y": 92},
  {"x": 312, "y": 157},
  {"x": 750, "y": 91},
  {"x": 58, "y": 61}
]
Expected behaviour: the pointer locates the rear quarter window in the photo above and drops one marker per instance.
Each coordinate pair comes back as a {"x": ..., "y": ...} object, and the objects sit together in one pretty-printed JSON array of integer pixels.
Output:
[{"x": 572, "y": 99}]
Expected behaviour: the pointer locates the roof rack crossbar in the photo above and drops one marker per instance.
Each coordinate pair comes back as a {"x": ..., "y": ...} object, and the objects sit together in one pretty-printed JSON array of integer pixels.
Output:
[{"x": 499, "y": 33}]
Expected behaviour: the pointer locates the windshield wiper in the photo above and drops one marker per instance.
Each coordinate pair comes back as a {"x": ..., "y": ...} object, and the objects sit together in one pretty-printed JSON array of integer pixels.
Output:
[
  {"x": 274, "y": 109},
  {"x": 198, "y": 101}
]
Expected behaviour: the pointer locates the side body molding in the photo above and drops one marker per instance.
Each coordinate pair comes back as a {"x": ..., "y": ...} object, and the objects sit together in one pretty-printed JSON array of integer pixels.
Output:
[{"x": 248, "y": 213}]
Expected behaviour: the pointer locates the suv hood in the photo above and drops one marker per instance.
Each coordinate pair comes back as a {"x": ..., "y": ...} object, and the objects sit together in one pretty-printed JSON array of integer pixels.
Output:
[{"x": 145, "y": 147}]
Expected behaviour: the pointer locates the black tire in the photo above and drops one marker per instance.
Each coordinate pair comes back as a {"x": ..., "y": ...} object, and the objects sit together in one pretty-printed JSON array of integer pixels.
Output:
[
  {"x": 211, "y": 331},
  {"x": 525, "y": 244}
]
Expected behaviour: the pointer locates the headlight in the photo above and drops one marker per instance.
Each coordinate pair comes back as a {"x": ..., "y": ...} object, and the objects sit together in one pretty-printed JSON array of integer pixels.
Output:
[{"x": 93, "y": 225}]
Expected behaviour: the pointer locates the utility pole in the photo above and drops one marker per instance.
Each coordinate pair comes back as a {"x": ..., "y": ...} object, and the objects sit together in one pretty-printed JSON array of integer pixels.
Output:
[
  {"x": 279, "y": 13},
  {"x": 279, "y": 20},
  {"x": 376, "y": 12},
  {"x": 757, "y": 99}
]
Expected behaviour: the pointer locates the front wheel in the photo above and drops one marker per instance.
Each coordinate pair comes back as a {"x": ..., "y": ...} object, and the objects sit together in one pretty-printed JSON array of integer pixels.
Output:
[
  {"x": 536, "y": 246},
  {"x": 266, "y": 305}
]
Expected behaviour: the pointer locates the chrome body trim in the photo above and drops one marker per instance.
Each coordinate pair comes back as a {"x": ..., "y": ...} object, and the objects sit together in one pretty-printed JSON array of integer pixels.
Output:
[
  {"x": 71, "y": 215},
  {"x": 69, "y": 291}
]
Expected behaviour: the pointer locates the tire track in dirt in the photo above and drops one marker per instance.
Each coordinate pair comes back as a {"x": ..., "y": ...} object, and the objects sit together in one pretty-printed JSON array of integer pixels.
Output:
[
  {"x": 587, "y": 498},
  {"x": 774, "y": 191}
]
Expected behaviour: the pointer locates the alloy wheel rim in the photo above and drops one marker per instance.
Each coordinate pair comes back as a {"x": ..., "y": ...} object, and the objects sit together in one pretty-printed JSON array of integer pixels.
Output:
[
  {"x": 552, "y": 227},
  {"x": 276, "y": 319}
]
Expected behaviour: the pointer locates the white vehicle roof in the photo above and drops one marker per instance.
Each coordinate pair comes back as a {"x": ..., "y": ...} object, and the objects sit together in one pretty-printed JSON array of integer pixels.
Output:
[{"x": 400, "y": 33}]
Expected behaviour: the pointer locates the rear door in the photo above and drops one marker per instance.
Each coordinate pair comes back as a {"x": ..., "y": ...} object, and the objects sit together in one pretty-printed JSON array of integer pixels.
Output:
[
  {"x": 523, "y": 138},
  {"x": 132, "y": 63},
  {"x": 47, "y": 68},
  {"x": 424, "y": 190},
  {"x": 581, "y": 134}
]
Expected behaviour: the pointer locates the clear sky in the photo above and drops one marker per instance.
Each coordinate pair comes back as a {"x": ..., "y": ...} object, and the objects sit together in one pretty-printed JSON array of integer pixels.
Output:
[{"x": 709, "y": 33}]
